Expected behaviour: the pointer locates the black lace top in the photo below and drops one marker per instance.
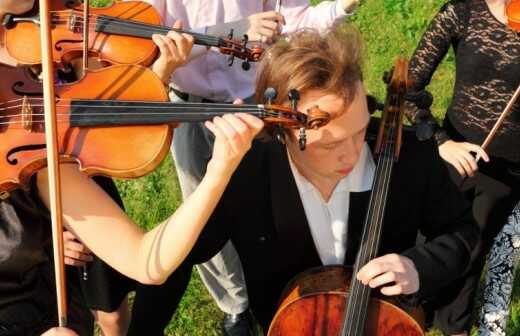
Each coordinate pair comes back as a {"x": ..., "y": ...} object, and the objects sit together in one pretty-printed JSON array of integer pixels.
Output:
[{"x": 487, "y": 73}]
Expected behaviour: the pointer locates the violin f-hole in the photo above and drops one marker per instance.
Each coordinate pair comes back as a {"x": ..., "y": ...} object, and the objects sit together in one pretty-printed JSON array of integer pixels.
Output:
[{"x": 11, "y": 153}]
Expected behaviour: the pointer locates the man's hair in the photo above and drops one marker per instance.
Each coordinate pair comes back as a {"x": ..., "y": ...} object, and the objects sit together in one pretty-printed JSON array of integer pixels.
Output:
[{"x": 307, "y": 60}]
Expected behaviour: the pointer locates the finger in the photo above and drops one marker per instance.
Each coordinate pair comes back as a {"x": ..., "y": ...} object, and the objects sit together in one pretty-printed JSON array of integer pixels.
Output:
[
  {"x": 233, "y": 138},
  {"x": 238, "y": 101},
  {"x": 67, "y": 235},
  {"x": 479, "y": 150},
  {"x": 244, "y": 132},
  {"x": 471, "y": 161},
  {"x": 458, "y": 167},
  {"x": 396, "y": 289},
  {"x": 272, "y": 15},
  {"x": 213, "y": 129},
  {"x": 78, "y": 247},
  {"x": 371, "y": 270},
  {"x": 271, "y": 25},
  {"x": 256, "y": 124},
  {"x": 173, "y": 41},
  {"x": 73, "y": 262},
  {"x": 78, "y": 255},
  {"x": 465, "y": 165},
  {"x": 266, "y": 32},
  {"x": 161, "y": 44},
  {"x": 383, "y": 279}
]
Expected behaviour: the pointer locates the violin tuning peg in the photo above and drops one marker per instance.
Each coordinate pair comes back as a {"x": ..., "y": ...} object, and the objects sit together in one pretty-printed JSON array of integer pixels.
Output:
[
  {"x": 279, "y": 134},
  {"x": 270, "y": 95},
  {"x": 230, "y": 35},
  {"x": 294, "y": 96},
  {"x": 302, "y": 141},
  {"x": 231, "y": 60},
  {"x": 246, "y": 65}
]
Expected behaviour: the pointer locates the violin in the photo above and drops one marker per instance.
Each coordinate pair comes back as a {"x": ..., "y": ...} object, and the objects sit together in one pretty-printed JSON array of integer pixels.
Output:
[
  {"x": 330, "y": 300},
  {"x": 513, "y": 15},
  {"x": 118, "y": 34},
  {"x": 116, "y": 121}
]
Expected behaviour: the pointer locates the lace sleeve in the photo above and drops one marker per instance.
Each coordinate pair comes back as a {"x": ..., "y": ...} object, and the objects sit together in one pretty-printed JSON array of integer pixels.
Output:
[{"x": 444, "y": 31}]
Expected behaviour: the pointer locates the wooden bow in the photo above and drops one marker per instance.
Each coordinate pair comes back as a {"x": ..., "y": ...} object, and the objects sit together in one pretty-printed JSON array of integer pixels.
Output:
[{"x": 53, "y": 160}]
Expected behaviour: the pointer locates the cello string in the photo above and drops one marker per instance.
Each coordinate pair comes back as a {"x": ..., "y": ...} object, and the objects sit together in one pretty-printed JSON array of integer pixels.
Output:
[{"x": 361, "y": 292}]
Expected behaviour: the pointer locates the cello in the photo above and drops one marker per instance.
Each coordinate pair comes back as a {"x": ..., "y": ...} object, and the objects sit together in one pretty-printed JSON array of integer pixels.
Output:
[{"x": 330, "y": 300}]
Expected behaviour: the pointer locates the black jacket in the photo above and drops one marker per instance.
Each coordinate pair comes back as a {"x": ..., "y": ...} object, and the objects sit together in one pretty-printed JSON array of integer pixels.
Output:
[{"x": 261, "y": 212}]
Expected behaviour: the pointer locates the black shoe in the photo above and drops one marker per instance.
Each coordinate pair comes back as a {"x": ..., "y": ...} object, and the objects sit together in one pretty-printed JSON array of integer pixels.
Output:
[{"x": 239, "y": 324}]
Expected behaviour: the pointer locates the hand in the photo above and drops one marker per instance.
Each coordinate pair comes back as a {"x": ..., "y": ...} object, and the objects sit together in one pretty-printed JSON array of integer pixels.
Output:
[
  {"x": 263, "y": 27},
  {"x": 458, "y": 154},
  {"x": 174, "y": 52},
  {"x": 396, "y": 270},
  {"x": 59, "y": 332},
  {"x": 233, "y": 136},
  {"x": 76, "y": 254},
  {"x": 349, "y": 5}
]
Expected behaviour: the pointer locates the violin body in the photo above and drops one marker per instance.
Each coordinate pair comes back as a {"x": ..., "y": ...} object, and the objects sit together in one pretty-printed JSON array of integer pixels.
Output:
[
  {"x": 22, "y": 38},
  {"x": 123, "y": 151},
  {"x": 513, "y": 15},
  {"x": 314, "y": 303}
]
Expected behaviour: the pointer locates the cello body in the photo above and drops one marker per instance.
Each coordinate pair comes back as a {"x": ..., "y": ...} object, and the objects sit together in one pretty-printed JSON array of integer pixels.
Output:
[{"x": 314, "y": 304}]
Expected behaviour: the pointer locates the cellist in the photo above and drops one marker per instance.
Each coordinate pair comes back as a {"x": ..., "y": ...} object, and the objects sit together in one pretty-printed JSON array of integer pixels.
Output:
[
  {"x": 26, "y": 302},
  {"x": 287, "y": 210}
]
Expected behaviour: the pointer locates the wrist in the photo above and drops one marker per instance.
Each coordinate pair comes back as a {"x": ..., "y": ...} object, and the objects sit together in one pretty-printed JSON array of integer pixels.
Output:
[{"x": 217, "y": 175}]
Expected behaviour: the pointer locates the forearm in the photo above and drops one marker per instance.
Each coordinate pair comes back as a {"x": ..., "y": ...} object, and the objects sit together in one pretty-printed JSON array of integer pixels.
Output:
[
  {"x": 108, "y": 232},
  {"x": 164, "y": 248}
]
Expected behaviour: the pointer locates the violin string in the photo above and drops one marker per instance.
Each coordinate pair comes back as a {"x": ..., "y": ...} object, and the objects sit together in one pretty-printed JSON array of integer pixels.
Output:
[{"x": 128, "y": 23}]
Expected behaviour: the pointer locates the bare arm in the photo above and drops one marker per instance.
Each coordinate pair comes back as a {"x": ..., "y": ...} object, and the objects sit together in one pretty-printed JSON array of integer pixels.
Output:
[{"x": 150, "y": 257}]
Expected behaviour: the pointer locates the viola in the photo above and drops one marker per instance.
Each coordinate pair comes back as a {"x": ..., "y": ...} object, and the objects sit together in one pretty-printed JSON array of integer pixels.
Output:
[
  {"x": 115, "y": 121},
  {"x": 330, "y": 300},
  {"x": 118, "y": 34}
]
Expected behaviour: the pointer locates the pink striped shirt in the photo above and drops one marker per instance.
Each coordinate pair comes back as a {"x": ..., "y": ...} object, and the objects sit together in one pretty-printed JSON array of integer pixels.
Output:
[{"x": 209, "y": 75}]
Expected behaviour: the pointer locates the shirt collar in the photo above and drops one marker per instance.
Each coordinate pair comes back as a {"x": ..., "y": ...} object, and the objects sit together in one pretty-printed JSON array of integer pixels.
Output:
[{"x": 359, "y": 180}]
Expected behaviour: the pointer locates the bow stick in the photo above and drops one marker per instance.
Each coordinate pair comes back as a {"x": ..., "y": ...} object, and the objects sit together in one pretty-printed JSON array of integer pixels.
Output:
[
  {"x": 500, "y": 121},
  {"x": 53, "y": 160}
]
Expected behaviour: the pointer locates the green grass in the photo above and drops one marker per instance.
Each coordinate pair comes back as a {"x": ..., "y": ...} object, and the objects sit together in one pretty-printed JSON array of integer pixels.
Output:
[{"x": 390, "y": 28}]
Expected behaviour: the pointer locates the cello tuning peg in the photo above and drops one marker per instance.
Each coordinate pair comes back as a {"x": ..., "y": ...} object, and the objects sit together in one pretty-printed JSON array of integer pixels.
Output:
[{"x": 270, "y": 95}]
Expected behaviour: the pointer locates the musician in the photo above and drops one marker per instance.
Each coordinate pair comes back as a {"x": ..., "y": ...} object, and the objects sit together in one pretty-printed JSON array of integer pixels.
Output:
[
  {"x": 210, "y": 78},
  {"x": 26, "y": 296},
  {"x": 287, "y": 210},
  {"x": 487, "y": 55}
]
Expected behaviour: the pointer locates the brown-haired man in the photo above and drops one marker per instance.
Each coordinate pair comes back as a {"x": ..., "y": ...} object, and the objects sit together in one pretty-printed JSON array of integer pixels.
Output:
[{"x": 288, "y": 210}]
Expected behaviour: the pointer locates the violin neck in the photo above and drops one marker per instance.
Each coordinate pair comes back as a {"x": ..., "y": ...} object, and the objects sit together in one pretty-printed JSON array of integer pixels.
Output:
[
  {"x": 117, "y": 26},
  {"x": 90, "y": 113},
  {"x": 358, "y": 300}
]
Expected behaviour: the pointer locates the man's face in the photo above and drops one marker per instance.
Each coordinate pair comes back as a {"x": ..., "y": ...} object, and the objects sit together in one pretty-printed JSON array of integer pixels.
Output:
[{"x": 333, "y": 150}]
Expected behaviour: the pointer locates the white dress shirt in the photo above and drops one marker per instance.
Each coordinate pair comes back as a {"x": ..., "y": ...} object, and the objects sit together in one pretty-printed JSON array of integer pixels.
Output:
[{"x": 328, "y": 220}]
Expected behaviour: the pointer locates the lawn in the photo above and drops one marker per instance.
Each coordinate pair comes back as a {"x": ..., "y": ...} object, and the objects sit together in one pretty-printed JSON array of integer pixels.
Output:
[{"x": 390, "y": 28}]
